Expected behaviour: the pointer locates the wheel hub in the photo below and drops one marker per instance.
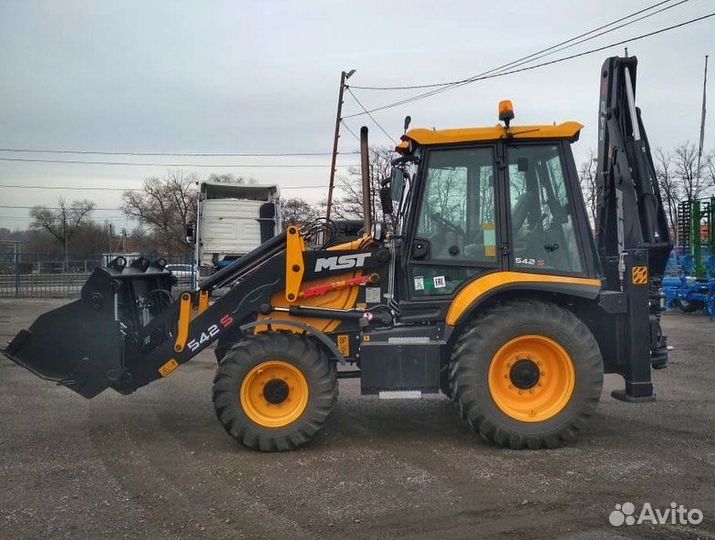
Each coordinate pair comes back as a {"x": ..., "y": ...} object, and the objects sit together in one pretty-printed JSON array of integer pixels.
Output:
[
  {"x": 524, "y": 374},
  {"x": 276, "y": 391},
  {"x": 274, "y": 394},
  {"x": 531, "y": 378}
]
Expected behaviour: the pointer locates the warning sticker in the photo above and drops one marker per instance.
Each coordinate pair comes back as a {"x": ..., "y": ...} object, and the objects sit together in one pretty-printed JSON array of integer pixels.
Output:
[
  {"x": 439, "y": 282},
  {"x": 490, "y": 240},
  {"x": 419, "y": 283},
  {"x": 372, "y": 295},
  {"x": 640, "y": 275}
]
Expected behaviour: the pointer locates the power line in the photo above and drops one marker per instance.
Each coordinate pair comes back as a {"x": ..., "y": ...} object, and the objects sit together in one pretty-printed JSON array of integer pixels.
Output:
[
  {"x": 345, "y": 125},
  {"x": 535, "y": 66},
  {"x": 25, "y": 218},
  {"x": 52, "y": 207},
  {"x": 370, "y": 115},
  {"x": 104, "y": 188},
  {"x": 135, "y": 164},
  {"x": 457, "y": 84},
  {"x": 599, "y": 34},
  {"x": 175, "y": 154},
  {"x": 508, "y": 64}
]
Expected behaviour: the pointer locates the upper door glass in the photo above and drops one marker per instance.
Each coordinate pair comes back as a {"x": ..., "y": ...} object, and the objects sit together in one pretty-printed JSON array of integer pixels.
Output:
[
  {"x": 457, "y": 216},
  {"x": 542, "y": 224},
  {"x": 456, "y": 226}
]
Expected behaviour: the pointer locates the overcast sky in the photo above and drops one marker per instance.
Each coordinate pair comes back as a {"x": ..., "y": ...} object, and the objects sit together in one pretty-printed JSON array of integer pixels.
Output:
[{"x": 155, "y": 76}]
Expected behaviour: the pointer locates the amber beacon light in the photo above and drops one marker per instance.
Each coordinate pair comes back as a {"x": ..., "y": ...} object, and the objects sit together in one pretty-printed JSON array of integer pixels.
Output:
[{"x": 506, "y": 111}]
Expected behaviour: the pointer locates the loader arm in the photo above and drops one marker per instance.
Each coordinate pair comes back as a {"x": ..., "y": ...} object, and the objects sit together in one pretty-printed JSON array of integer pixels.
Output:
[{"x": 123, "y": 333}]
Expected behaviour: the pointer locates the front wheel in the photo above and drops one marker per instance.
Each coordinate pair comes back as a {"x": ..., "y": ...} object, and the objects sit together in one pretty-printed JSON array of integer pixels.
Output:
[
  {"x": 274, "y": 391},
  {"x": 527, "y": 374}
]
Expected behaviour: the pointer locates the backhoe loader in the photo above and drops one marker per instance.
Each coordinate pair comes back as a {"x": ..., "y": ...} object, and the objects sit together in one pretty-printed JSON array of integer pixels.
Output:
[{"x": 484, "y": 282}]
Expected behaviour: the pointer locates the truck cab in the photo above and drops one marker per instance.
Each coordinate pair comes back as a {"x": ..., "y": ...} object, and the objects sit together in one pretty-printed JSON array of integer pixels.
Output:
[{"x": 233, "y": 219}]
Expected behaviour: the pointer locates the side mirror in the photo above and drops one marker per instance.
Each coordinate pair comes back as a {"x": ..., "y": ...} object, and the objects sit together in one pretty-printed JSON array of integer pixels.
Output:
[
  {"x": 190, "y": 228},
  {"x": 396, "y": 180},
  {"x": 386, "y": 197}
]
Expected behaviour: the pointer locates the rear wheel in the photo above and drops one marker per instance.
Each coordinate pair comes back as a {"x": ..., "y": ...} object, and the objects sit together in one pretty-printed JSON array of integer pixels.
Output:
[
  {"x": 527, "y": 374},
  {"x": 686, "y": 306},
  {"x": 274, "y": 391}
]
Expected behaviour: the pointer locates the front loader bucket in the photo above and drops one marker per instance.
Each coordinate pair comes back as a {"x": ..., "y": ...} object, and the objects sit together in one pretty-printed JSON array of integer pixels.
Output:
[
  {"x": 81, "y": 345},
  {"x": 75, "y": 345}
]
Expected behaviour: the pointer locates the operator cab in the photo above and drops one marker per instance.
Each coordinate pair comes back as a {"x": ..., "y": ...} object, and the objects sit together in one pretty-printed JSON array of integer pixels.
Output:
[{"x": 468, "y": 202}]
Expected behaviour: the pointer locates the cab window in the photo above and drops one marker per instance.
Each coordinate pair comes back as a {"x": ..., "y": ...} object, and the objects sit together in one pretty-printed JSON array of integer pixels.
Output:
[
  {"x": 456, "y": 222},
  {"x": 542, "y": 225}
]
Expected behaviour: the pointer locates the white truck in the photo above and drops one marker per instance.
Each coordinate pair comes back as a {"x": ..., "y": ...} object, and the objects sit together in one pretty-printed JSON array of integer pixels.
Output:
[{"x": 232, "y": 219}]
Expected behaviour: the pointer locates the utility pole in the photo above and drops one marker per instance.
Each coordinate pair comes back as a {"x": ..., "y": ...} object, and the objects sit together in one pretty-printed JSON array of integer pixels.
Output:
[
  {"x": 344, "y": 76},
  {"x": 65, "y": 240},
  {"x": 109, "y": 238},
  {"x": 702, "y": 115}
]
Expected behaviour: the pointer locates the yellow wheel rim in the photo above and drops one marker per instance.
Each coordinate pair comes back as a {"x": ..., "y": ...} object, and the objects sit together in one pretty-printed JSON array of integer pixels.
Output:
[
  {"x": 274, "y": 394},
  {"x": 531, "y": 378}
]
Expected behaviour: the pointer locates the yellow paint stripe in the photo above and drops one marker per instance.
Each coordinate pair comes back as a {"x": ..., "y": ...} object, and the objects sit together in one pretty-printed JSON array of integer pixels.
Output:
[
  {"x": 294, "y": 263},
  {"x": 482, "y": 286},
  {"x": 203, "y": 301},
  {"x": 184, "y": 318}
]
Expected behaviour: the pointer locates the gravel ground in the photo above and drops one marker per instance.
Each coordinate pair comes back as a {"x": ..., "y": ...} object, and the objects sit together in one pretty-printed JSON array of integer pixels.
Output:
[{"x": 157, "y": 464}]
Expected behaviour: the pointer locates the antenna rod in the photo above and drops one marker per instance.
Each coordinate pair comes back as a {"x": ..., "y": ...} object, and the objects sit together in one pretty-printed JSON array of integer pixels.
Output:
[{"x": 702, "y": 115}]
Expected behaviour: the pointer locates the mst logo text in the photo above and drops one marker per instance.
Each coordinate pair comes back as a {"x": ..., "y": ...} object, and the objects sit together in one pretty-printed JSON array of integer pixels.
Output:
[{"x": 341, "y": 262}]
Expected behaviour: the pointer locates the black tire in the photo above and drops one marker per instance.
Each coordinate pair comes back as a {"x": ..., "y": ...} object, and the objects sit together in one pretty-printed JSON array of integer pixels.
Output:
[
  {"x": 444, "y": 383},
  {"x": 690, "y": 307},
  {"x": 222, "y": 348},
  {"x": 484, "y": 337},
  {"x": 299, "y": 352},
  {"x": 229, "y": 338}
]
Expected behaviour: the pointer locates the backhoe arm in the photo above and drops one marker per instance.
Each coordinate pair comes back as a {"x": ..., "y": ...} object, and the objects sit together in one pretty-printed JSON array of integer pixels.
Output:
[
  {"x": 630, "y": 209},
  {"x": 631, "y": 229}
]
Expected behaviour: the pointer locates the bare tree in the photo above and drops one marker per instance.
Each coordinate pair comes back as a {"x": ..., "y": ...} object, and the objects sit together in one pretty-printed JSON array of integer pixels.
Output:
[
  {"x": 62, "y": 222},
  {"x": 670, "y": 186},
  {"x": 349, "y": 204},
  {"x": 709, "y": 172},
  {"x": 587, "y": 179},
  {"x": 166, "y": 206},
  {"x": 694, "y": 183},
  {"x": 296, "y": 211}
]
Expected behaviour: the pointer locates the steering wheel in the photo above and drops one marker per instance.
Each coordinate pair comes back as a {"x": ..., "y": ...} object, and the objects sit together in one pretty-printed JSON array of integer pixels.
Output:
[{"x": 446, "y": 224}]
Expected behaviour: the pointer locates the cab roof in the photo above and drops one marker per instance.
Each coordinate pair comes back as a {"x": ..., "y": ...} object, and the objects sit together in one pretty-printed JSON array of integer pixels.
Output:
[{"x": 566, "y": 130}]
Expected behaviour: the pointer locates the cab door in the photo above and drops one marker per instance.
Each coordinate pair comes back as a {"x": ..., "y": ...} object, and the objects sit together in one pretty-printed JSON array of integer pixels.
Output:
[
  {"x": 455, "y": 232},
  {"x": 544, "y": 232}
]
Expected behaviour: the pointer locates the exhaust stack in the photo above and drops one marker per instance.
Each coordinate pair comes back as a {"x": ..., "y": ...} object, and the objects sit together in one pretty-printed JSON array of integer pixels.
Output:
[{"x": 365, "y": 168}]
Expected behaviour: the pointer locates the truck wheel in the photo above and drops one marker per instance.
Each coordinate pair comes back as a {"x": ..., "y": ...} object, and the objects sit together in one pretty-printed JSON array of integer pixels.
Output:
[
  {"x": 687, "y": 306},
  {"x": 527, "y": 374},
  {"x": 274, "y": 391}
]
